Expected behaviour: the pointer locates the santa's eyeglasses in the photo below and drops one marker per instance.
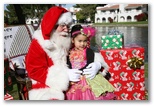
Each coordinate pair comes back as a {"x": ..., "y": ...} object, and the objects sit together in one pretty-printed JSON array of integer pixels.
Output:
[{"x": 64, "y": 25}]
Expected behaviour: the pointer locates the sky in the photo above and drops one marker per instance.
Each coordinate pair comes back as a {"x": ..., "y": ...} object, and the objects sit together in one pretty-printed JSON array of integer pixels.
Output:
[
  {"x": 66, "y": 6},
  {"x": 69, "y": 5},
  {"x": 5, "y": 6}
]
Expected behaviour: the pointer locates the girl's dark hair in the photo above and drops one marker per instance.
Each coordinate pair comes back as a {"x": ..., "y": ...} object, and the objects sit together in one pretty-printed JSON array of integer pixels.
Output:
[{"x": 75, "y": 28}]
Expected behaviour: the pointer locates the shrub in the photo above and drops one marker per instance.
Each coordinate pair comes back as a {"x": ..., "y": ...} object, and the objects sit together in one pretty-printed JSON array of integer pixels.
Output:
[
  {"x": 141, "y": 17},
  {"x": 110, "y": 20}
]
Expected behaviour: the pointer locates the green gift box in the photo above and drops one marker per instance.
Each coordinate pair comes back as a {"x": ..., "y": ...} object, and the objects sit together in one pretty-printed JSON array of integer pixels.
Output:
[{"x": 112, "y": 41}]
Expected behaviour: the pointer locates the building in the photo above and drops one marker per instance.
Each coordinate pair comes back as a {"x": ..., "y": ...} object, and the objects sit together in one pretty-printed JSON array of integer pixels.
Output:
[
  {"x": 32, "y": 20},
  {"x": 119, "y": 12},
  {"x": 74, "y": 11}
]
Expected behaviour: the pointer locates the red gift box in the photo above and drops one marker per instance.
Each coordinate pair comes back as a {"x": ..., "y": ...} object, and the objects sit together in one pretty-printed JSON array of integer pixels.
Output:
[
  {"x": 129, "y": 81},
  {"x": 8, "y": 97}
]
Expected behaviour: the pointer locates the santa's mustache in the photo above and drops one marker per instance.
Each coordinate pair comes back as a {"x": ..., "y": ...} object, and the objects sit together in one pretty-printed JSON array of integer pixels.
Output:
[
  {"x": 61, "y": 39},
  {"x": 64, "y": 34}
]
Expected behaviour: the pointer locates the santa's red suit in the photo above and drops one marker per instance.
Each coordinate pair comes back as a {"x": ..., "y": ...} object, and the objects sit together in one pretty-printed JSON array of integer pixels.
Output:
[
  {"x": 47, "y": 68},
  {"x": 45, "y": 63}
]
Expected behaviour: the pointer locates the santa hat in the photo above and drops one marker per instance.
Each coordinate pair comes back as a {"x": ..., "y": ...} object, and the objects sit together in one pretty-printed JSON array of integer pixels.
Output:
[{"x": 55, "y": 15}]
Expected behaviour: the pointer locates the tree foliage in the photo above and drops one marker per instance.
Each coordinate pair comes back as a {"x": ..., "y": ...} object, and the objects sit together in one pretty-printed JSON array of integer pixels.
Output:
[
  {"x": 142, "y": 17},
  {"x": 87, "y": 11},
  {"x": 18, "y": 13},
  {"x": 10, "y": 15}
]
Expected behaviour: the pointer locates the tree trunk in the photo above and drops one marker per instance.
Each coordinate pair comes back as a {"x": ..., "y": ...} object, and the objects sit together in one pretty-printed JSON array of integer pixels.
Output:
[{"x": 19, "y": 13}]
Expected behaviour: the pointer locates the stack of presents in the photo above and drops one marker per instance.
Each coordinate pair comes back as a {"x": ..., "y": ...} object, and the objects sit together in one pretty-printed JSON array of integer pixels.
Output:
[{"x": 126, "y": 66}]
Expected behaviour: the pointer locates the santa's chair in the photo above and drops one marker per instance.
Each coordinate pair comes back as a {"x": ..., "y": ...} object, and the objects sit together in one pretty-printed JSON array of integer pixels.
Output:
[
  {"x": 24, "y": 83},
  {"x": 16, "y": 47}
]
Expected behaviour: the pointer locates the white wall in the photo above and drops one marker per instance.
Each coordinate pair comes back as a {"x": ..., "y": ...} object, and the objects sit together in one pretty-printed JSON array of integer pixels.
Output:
[{"x": 122, "y": 16}]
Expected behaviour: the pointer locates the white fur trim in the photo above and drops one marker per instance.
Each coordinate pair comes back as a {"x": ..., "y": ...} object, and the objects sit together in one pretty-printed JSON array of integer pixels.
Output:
[
  {"x": 99, "y": 58},
  {"x": 39, "y": 37},
  {"x": 57, "y": 78},
  {"x": 65, "y": 18},
  {"x": 45, "y": 94},
  {"x": 45, "y": 44},
  {"x": 48, "y": 44}
]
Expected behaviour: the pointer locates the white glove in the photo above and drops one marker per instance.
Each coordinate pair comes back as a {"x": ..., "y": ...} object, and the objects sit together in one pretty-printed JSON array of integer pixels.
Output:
[
  {"x": 92, "y": 69},
  {"x": 74, "y": 74}
]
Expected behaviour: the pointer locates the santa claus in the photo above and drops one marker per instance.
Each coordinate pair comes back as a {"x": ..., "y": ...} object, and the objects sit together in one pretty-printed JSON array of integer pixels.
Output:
[{"x": 46, "y": 57}]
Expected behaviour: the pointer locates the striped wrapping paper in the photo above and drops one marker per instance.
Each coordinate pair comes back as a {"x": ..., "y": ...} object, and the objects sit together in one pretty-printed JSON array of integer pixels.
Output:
[{"x": 8, "y": 97}]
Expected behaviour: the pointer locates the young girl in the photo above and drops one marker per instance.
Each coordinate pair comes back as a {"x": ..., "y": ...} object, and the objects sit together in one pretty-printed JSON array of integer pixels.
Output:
[{"x": 80, "y": 57}]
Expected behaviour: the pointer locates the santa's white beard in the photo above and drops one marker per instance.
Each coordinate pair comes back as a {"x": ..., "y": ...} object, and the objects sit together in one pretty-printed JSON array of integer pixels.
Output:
[{"x": 61, "y": 39}]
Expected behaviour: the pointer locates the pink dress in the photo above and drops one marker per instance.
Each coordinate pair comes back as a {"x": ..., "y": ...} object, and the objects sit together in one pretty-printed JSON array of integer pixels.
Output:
[{"x": 82, "y": 90}]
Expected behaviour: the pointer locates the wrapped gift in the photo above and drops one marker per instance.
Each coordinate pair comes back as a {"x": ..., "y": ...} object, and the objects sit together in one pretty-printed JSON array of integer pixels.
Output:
[
  {"x": 127, "y": 72},
  {"x": 8, "y": 97},
  {"x": 112, "y": 40}
]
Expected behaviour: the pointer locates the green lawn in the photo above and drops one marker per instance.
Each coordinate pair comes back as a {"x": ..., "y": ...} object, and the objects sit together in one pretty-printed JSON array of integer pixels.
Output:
[
  {"x": 146, "y": 70},
  {"x": 14, "y": 92},
  {"x": 146, "y": 76}
]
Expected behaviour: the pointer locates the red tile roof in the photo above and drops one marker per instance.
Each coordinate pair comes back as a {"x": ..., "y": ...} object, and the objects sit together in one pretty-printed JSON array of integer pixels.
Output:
[
  {"x": 114, "y": 7},
  {"x": 104, "y": 8},
  {"x": 109, "y": 8},
  {"x": 133, "y": 6},
  {"x": 117, "y": 7}
]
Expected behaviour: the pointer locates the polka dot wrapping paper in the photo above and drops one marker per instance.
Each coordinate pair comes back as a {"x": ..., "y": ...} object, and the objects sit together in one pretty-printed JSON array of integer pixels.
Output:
[{"x": 112, "y": 41}]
